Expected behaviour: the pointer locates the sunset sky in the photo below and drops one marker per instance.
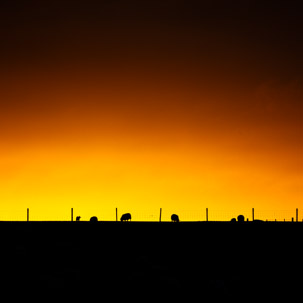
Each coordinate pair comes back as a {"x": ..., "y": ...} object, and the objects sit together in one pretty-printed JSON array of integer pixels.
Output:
[{"x": 139, "y": 105}]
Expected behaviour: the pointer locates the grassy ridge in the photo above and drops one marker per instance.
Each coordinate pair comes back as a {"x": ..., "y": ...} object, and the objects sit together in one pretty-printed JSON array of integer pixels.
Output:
[{"x": 196, "y": 259}]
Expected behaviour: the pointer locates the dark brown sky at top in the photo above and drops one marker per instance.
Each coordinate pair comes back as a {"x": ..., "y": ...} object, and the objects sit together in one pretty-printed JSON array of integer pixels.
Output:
[
  {"x": 232, "y": 62},
  {"x": 256, "y": 38}
]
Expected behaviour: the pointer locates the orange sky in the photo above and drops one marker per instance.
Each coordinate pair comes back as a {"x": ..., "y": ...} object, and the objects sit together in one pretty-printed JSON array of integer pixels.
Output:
[{"x": 153, "y": 123}]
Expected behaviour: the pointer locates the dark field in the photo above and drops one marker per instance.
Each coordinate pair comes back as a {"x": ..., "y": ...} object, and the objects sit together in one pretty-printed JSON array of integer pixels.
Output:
[{"x": 139, "y": 260}]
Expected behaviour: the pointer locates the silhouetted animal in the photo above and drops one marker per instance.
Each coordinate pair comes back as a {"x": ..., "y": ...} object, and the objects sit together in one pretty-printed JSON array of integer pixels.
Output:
[
  {"x": 78, "y": 218},
  {"x": 126, "y": 217},
  {"x": 175, "y": 218},
  {"x": 93, "y": 219},
  {"x": 240, "y": 218}
]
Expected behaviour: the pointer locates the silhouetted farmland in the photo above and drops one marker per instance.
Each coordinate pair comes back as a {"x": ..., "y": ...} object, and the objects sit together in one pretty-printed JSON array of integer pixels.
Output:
[{"x": 151, "y": 259}]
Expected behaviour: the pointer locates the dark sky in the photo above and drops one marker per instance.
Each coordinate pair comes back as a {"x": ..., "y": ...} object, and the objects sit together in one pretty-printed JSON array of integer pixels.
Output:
[{"x": 261, "y": 38}]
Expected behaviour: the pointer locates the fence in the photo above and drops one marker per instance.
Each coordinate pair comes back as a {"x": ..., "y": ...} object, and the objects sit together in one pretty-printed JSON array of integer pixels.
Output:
[
  {"x": 154, "y": 215},
  {"x": 35, "y": 214}
]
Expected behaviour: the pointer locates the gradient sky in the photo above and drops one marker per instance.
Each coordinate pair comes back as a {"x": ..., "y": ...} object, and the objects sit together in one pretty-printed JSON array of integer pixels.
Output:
[{"x": 146, "y": 104}]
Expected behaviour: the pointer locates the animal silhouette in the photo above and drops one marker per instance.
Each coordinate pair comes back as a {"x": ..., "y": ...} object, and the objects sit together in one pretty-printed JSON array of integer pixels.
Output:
[
  {"x": 126, "y": 217},
  {"x": 175, "y": 218},
  {"x": 240, "y": 218},
  {"x": 93, "y": 219},
  {"x": 78, "y": 218}
]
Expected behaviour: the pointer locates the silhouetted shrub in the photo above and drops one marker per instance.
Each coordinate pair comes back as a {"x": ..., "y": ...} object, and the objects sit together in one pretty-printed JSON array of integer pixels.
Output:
[{"x": 233, "y": 220}]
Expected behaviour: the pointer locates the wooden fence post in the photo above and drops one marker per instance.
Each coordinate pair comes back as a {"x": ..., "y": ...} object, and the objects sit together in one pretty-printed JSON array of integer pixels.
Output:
[
  {"x": 160, "y": 214},
  {"x": 27, "y": 214},
  {"x": 206, "y": 214},
  {"x": 297, "y": 214},
  {"x": 72, "y": 214},
  {"x": 253, "y": 214}
]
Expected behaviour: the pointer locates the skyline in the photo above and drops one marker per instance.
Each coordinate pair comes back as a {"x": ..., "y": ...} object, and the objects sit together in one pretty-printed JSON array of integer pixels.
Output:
[
  {"x": 141, "y": 105},
  {"x": 152, "y": 215}
]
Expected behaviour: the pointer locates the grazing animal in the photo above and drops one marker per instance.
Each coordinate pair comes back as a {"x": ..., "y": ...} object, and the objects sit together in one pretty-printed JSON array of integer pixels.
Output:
[
  {"x": 240, "y": 218},
  {"x": 175, "y": 218},
  {"x": 78, "y": 218},
  {"x": 126, "y": 217},
  {"x": 93, "y": 219}
]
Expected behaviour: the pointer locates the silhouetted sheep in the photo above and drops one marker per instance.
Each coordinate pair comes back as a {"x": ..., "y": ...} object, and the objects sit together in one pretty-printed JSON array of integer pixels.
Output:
[
  {"x": 93, "y": 219},
  {"x": 126, "y": 217},
  {"x": 175, "y": 218},
  {"x": 78, "y": 218},
  {"x": 240, "y": 218}
]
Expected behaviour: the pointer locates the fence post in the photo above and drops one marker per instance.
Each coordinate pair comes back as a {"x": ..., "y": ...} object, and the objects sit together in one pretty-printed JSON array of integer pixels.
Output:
[
  {"x": 27, "y": 214},
  {"x": 72, "y": 214},
  {"x": 116, "y": 214},
  {"x": 253, "y": 214},
  {"x": 206, "y": 214},
  {"x": 297, "y": 214},
  {"x": 160, "y": 214}
]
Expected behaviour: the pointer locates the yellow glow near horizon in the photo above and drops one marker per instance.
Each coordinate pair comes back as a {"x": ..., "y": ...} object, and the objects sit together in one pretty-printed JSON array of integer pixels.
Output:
[
  {"x": 96, "y": 181},
  {"x": 143, "y": 144}
]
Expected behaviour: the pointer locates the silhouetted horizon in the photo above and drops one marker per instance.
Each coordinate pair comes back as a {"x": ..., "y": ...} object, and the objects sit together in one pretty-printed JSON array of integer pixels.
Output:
[
  {"x": 209, "y": 260},
  {"x": 164, "y": 215}
]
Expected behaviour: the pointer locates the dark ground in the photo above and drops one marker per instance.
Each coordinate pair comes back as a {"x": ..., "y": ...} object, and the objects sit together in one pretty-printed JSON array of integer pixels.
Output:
[{"x": 202, "y": 261}]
